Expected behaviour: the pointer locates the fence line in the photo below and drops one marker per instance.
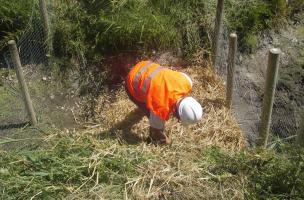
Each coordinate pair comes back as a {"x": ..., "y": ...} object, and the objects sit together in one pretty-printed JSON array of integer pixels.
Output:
[
  {"x": 270, "y": 86},
  {"x": 32, "y": 50},
  {"x": 27, "y": 99},
  {"x": 217, "y": 30},
  {"x": 32, "y": 43},
  {"x": 34, "y": 47},
  {"x": 46, "y": 26},
  {"x": 231, "y": 68}
]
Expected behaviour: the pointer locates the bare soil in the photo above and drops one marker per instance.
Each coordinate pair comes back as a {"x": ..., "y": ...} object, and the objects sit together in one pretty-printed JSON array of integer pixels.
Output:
[{"x": 250, "y": 80}]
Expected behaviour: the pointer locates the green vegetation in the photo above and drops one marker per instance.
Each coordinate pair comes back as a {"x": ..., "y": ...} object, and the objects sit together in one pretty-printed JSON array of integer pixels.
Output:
[
  {"x": 14, "y": 17},
  {"x": 108, "y": 27},
  {"x": 51, "y": 99},
  {"x": 97, "y": 29},
  {"x": 13, "y": 99},
  {"x": 94, "y": 28},
  {"x": 271, "y": 174},
  {"x": 72, "y": 165},
  {"x": 63, "y": 164},
  {"x": 251, "y": 17}
]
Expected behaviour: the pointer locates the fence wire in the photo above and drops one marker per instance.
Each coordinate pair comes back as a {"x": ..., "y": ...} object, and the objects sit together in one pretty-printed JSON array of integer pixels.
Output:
[
  {"x": 32, "y": 52},
  {"x": 248, "y": 90},
  {"x": 31, "y": 45}
]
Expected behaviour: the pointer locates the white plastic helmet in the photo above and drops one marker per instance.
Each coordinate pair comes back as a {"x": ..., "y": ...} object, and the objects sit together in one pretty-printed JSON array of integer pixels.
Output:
[{"x": 190, "y": 111}]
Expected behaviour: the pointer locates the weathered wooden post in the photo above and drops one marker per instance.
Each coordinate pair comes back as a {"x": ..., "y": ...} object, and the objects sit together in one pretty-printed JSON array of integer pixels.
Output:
[
  {"x": 270, "y": 86},
  {"x": 217, "y": 30},
  {"x": 46, "y": 26},
  {"x": 26, "y": 96},
  {"x": 231, "y": 68},
  {"x": 300, "y": 136}
]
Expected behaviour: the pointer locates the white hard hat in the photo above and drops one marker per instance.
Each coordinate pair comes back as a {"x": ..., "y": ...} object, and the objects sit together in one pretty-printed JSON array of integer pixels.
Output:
[{"x": 190, "y": 111}]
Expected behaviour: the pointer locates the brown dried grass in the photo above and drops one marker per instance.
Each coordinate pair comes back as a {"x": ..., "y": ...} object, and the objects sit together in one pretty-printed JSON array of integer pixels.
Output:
[
  {"x": 178, "y": 171},
  {"x": 116, "y": 113}
]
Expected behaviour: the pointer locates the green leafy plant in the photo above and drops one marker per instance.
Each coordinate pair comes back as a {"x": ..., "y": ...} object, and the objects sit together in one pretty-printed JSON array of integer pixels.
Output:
[
  {"x": 247, "y": 18},
  {"x": 14, "y": 16},
  {"x": 271, "y": 174}
]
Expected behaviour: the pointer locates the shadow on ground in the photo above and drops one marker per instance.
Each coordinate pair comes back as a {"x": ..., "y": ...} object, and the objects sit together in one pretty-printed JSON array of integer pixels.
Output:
[
  {"x": 13, "y": 125},
  {"x": 123, "y": 129}
]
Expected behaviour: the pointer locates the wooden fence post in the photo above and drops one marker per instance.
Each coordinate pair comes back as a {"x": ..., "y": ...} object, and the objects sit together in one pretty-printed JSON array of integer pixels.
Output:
[
  {"x": 46, "y": 26},
  {"x": 270, "y": 86},
  {"x": 231, "y": 68},
  {"x": 217, "y": 31},
  {"x": 300, "y": 136},
  {"x": 27, "y": 99}
]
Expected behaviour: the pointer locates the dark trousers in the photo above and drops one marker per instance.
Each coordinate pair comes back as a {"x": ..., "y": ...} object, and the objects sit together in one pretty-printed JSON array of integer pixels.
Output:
[{"x": 140, "y": 105}]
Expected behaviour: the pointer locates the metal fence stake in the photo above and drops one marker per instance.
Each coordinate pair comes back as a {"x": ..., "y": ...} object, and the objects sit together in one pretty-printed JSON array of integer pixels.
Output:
[
  {"x": 27, "y": 99},
  {"x": 231, "y": 68},
  {"x": 217, "y": 31},
  {"x": 270, "y": 86}
]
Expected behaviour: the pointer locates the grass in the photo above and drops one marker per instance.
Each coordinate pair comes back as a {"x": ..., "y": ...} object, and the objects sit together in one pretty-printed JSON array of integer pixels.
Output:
[
  {"x": 65, "y": 164},
  {"x": 107, "y": 27},
  {"x": 115, "y": 112},
  {"x": 54, "y": 109},
  {"x": 251, "y": 18},
  {"x": 99, "y": 161},
  {"x": 88, "y": 28},
  {"x": 96, "y": 163},
  {"x": 9, "y": 101},
  {"x": 51, "y": 99},
  {"x": 270, "y": 174},
  {"x": 79, "y": 166},
  {"x": 105, "y": 161},
  {"x": 300, "y": 32},
  {"x": 82, "y": 166}
]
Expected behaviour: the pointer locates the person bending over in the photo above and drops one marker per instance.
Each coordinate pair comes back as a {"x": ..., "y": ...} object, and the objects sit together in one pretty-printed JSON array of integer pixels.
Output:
[{"x": 158, "y": 91}]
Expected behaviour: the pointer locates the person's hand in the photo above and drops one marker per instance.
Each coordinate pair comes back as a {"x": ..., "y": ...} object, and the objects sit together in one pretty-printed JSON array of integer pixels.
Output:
[{"x": 158, "y": 137}]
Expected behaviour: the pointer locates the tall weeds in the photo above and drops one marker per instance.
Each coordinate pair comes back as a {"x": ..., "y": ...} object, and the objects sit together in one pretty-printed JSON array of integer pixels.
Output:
[{"x": 14, "y": 16}]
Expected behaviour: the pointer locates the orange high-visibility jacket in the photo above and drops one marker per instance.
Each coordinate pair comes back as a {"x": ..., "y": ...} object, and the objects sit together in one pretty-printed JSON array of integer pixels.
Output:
[{"x": 158, "y": 87}]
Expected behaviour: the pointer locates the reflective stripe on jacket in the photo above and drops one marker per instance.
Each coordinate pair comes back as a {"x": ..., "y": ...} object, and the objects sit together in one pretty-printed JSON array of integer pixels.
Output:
[{"x": 158, "y": 87}]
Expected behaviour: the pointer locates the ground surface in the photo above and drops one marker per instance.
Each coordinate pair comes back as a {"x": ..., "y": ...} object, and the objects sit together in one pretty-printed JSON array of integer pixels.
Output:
[
  {"x": 172, "y": 172},
  {"x": 52, "y": 103},
  {"x": 114, "y": 112},
  {"x": 250, "y": 80},
  {"x": 107, "y": 157}
]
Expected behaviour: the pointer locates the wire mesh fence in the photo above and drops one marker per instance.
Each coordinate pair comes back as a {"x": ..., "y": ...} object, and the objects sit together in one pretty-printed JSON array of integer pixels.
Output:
[
  {"x": 32, "y": 52},
  {"x": 31, "y": 44},
  {"x": 248, "y": 91}
]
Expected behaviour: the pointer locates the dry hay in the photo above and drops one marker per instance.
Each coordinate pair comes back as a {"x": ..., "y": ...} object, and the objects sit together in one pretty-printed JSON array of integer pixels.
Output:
[
  {"x": 177, "y": 171},
  {"x": 116, "y": 113}
]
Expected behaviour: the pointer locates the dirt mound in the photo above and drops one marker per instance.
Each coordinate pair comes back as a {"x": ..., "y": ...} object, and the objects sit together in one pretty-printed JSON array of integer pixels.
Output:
[{"x": 115, "y": 113}]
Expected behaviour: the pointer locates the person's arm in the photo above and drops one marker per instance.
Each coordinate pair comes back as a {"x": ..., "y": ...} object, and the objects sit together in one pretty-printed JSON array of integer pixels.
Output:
[
  {"x": 157, "y": 126},
  {"x": 156, "y": 122}
]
